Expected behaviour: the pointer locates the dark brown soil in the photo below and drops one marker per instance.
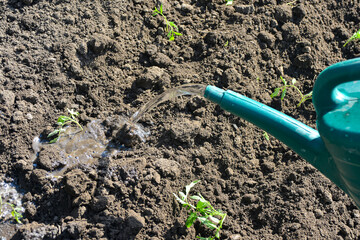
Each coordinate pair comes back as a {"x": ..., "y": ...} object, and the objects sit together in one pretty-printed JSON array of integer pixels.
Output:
[{"x": 107, "y": 58}]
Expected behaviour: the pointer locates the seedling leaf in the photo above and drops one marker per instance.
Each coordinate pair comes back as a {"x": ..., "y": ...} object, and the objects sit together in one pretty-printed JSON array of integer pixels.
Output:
[
  {"x": 53, "y": 133},
  {"x": 182, "y": 195},
  {"x": 54, "y": 140},
  {"x": 214, "y": 220},
  {"x": 191, "y": 185},
  {"x": 283, "y": 80},
  {"x": 191, "y": 219},
  {"x": 275, "y": 93},
  {"x": 179, "y": 199},
  {"x": 283, "y": 94},
  {"x": 195, "y": 198}
]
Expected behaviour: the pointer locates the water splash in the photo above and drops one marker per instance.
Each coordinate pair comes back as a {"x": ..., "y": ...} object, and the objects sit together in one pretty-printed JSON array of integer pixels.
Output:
[{"x": 85, "y": 147}]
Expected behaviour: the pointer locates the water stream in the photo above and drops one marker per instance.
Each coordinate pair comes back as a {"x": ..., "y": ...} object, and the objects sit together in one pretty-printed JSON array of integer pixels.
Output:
[{"x": 187, "y": 89}]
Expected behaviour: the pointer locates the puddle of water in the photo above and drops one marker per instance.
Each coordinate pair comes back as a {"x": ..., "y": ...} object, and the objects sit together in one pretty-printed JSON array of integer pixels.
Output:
[
  {"x": 82, "y": 147},
  {"x": 9, "y": 194}
]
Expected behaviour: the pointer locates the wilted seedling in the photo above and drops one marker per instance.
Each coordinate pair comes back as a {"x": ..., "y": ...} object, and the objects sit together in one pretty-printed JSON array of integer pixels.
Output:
[
  {"x": 284, "y": 88},
  {"x": 62, "y": 122},
  {"x": 14, "y": 210},
  {"x": 171, "y": 28},
  {"x": 203, "y": 211},
  {"x": 353, "y": 37}
]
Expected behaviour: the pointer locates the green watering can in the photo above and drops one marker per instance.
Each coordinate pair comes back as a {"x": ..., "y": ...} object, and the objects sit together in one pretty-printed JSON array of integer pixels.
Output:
[{"x": 335, "y": 148}]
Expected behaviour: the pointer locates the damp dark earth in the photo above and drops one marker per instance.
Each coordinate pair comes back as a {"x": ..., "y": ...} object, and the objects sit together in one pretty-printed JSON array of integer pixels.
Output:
[{"x": 114, "y": 180}]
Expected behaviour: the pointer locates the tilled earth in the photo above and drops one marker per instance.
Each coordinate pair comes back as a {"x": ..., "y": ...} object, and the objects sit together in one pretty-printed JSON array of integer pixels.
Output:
[{"x": 107, "y": 58}]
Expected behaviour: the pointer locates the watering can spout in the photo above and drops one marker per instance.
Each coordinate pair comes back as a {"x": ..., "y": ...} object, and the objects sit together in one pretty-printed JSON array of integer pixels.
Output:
[{"x": 304, "y": 140}]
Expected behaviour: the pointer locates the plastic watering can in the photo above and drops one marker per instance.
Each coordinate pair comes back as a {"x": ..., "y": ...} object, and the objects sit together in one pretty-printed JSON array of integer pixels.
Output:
[{"x": 335, "y": 148}]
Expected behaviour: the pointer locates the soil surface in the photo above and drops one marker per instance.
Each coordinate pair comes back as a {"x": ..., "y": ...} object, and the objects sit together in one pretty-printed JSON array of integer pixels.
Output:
[{"x": 107, "y": 58}]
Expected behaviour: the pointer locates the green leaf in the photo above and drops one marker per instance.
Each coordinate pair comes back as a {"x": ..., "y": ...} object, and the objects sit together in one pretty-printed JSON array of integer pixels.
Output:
[
  {"x": 353, "y": 37},
  {"x": 229, "y": 2},
  {"x": 266, "y": 136},
  {"x": 161, "y": 8},
  {"x": 191, "y": 219},
  {"x": 191, "y": 185},
  {"x": 275, "y": 93},
  {"x": 53, "y": 133},
  {"x": 283, "y": 94},
  {"x": 179, "y": 199},
  {"x": 182, "y": 195},
  {"x": 173, "y": 25},
  {"x": 283, "y": 80},
  {"x": 178, "y": 34},
  {"x": 214, "y": 220},
  {"x": 16, "y": 215},
  {"x": 72, "y": 112},
  {"x": 195, "y": 197},
  {"x": 63, "y": 119},
  {"x": 54, "y": 140},
  {"x": 207, "y": 223}
]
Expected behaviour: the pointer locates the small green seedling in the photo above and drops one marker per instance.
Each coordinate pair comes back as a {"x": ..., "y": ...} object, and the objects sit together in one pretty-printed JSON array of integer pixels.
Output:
[
  {"x": 229, "y": 2},
  {"x": 284, "y": 88},
  {"x": 292, "y": 3},
  {"x": 62, "y": 122},
  {"x": 203, "y": 211},
  {"x": 14, "y": 210},
  {"x": 353, "y": 37},
  {"x": 266, "y": 136},
  {"x": 171, "y": 28}
]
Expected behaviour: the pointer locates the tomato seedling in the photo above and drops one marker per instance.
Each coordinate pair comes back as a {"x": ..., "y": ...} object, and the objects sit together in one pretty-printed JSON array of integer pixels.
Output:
[
  {"x": 14, "y": 210},
  {"x": 202, "y": 211},
  {"x": 284, "y": 88},
  {"x": 171, "y": 28},
  {"x": 62, "y": 122},
  {"x": 353, "y": 37}
]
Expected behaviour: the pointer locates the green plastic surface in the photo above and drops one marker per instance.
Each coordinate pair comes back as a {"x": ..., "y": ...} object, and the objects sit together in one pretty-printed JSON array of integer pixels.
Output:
[
  {"x": 336, "y": 99},
  {"x": 335, "y": 149}
]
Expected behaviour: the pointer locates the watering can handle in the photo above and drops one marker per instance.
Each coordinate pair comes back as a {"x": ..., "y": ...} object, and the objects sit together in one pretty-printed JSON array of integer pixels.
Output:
[
  {"x": 336, "y": 97},
  {"x": 325, "y": 95}
]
